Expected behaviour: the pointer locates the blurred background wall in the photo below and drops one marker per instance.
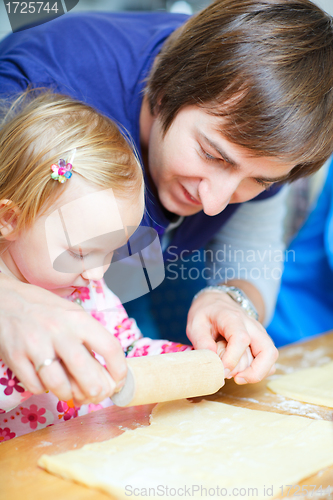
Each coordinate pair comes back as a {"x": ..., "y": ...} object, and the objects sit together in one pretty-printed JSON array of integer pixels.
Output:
[{"x": 185, "y": 6}]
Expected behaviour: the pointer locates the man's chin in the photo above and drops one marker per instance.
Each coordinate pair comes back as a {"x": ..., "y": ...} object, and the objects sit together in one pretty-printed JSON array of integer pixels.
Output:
[
  {"x": 180, "y": 209},
  {"x": 186, "y": 212}
]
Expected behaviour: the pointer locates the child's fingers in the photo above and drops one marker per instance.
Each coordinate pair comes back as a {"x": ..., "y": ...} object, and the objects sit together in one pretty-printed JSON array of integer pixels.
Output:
[
  {"x": 214, "y": 315},
  {"x": 92, "y": 382},
  {"x": 221, "y": 347},
  {"x": 56, "y": 328},
  {"x": 238, "y": 341},
  {"x": 261, "y": 345},
  {"x": 109, "y": 347},
  {"x": 244, "y": 362},
  {"x": 262, "y": 365}
]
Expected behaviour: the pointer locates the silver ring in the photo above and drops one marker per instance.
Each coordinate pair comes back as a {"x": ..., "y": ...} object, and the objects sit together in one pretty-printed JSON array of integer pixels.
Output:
[{"x": 47, "y": 362}]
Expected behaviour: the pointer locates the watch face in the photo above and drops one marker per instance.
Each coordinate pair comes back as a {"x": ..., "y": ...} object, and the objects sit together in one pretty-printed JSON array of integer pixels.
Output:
[{"x": 236, "y": 295}]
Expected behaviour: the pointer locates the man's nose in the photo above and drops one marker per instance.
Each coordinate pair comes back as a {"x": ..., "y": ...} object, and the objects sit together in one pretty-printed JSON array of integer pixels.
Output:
[{"x": 215, "y": 194}]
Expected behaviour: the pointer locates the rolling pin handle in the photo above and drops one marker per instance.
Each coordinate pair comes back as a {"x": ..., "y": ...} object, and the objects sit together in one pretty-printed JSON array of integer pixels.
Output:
[{"x": 125, "y": 395}]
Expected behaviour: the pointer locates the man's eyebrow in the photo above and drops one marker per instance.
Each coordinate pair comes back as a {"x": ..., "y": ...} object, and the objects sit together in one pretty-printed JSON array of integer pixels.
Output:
[{"x": 220, "y": 151}]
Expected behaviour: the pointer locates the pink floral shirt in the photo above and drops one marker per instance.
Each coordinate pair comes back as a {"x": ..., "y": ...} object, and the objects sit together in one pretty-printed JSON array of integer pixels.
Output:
[{"x": 22, "y": 412}]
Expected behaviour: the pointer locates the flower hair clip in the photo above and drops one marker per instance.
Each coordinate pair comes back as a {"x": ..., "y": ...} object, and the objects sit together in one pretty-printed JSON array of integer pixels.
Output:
[{"x": 63, "y": 170}]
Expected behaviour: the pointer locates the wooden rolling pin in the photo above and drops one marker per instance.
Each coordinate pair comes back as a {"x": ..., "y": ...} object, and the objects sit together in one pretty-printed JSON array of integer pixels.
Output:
[{"x": 178, "y": 375}]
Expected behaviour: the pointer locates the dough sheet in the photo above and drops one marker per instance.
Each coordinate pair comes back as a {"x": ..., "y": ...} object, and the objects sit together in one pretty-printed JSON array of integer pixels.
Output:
[
  {"x": 313, "y": 385},
  {"x": 202, "y": 445}
]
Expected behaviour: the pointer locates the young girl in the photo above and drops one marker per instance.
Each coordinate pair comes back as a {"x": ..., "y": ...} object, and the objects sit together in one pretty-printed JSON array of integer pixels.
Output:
[{"x": 70, "y": 186}]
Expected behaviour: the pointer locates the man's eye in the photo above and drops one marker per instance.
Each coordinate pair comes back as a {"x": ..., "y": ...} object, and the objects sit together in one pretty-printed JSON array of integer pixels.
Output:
[
  {"x": 208, "y": 156},
  {"x": 264, "y": 184}
]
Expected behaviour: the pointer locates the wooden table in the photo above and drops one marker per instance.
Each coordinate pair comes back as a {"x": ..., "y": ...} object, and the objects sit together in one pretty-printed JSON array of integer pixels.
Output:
[{"x": 22, "y": 479}]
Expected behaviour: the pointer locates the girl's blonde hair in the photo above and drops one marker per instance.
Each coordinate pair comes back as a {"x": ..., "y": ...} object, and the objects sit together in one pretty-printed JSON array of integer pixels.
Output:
[{"x": 38, "y": 129}]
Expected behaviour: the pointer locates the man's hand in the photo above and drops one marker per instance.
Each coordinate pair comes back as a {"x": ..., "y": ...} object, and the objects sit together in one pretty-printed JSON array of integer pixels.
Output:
[
  {"x": 36, "y": 325},
  {"x": 213, "y": 317}
]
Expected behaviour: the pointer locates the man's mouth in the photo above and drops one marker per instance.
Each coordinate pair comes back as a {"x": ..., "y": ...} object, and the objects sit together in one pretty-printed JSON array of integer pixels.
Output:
[{"x": 190, "y": 198}]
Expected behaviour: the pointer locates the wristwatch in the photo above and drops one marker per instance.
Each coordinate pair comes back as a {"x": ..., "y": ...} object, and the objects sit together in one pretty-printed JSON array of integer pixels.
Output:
[{"x": 236, "y": 294}]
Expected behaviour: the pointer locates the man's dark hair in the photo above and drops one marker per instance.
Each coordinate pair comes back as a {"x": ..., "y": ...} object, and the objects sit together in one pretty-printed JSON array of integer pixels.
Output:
[{"x": 265, "y": 67}]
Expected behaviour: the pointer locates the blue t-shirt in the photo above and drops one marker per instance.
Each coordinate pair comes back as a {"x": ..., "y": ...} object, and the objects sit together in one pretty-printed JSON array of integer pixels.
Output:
[
  {"x": 103, "y": 60},
  {"x": 305, "y": 302}
]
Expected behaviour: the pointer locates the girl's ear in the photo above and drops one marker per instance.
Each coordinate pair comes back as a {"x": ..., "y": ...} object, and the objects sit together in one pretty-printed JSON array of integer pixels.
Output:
[{"x": 8, "y": 220}]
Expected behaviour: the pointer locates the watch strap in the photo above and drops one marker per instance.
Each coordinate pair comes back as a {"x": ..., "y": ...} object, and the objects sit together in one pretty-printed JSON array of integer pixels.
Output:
[{"x": 236, "y": 294}]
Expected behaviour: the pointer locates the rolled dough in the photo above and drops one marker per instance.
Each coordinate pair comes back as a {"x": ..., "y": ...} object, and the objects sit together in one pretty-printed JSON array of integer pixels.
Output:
[
  {"x": 313, "y": 385},
  {"x": 202, "y": 445}
]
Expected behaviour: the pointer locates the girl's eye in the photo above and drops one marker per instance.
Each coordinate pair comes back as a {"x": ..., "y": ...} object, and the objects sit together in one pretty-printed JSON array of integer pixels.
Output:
[{"x": 77, "y": 256}]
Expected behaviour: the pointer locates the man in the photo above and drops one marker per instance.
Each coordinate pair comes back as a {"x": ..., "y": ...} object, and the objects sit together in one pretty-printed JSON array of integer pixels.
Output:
[{"x": 220, "y": 108}]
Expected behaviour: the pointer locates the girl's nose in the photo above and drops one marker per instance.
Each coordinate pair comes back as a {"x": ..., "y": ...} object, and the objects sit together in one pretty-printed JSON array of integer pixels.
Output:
[{"x": 94, "y": 274}]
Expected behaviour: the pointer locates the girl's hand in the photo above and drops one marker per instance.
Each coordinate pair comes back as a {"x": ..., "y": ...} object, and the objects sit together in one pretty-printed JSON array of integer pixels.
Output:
[
  {"x": 36, "y": 325},
  {"x": 249, "y": 354}
]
